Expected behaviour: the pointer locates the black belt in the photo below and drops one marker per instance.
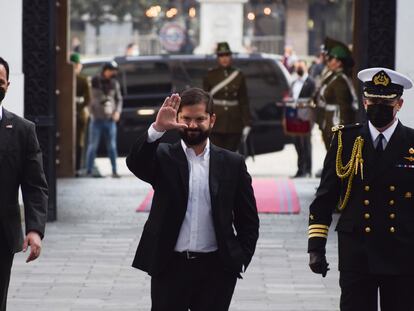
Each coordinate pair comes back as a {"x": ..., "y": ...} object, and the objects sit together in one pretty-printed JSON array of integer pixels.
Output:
[{"x": 194, "y": 255}]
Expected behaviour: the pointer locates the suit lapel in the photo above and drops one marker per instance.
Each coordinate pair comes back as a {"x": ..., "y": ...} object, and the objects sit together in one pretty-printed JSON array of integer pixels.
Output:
[
  {"x": 303, "y": 91},
  {"x": 214, "y": 173},
  {"x": 368, "y": 153},
  {"x": 6, "y": 128},
  {"x": 178, "y": 154}
]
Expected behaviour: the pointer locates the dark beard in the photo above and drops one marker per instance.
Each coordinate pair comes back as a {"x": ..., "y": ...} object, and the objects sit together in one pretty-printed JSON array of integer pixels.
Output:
[{"x": 193, "y": 137}]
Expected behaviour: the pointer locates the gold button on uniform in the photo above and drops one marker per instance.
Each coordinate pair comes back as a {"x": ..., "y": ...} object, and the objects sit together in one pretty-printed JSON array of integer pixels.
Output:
[
  {"x": 391, "y": 202},
  {"x": 392, "y": 215},
  {"x": 392, "y": 188},
  {"x": 408, "y": 195},
  {"x": 366, "y": 188},
  {"x": 367, "y": 216},
  {"x": 367, "y": 229},
  {"x": 392, "y": 229},
  {"x": 366, "y": 202}
]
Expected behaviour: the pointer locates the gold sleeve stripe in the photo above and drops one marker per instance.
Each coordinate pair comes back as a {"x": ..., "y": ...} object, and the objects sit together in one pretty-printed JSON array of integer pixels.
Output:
[
  {"x": 318, "y": 231},
  {"x": 317, "y": 235},
  {"x": 318, "y": 227}
]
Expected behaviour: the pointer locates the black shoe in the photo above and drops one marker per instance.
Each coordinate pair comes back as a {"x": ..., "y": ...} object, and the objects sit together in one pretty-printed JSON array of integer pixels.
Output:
[
  {"x": 94, "y": 175},
  {"x": 116, "y": 175},
  {"x": 300, "y": 175}
]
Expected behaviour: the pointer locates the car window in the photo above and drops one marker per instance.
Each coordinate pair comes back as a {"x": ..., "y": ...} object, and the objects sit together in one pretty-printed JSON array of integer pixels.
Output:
[
  {"x": 195, "y": 70},
  {"x": 146, "y": 77},
  {"x": 263, "y": 77},
  {"x": 266, "y": 85}
]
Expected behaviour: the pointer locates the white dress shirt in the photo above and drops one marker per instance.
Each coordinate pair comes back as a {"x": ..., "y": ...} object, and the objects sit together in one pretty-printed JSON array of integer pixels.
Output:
[
  {"x": 1, "y": 112},
  {"x": 298, "y": 85},
  {"x": 387, "y": 134},
  {"x": 197, "y": 230}
]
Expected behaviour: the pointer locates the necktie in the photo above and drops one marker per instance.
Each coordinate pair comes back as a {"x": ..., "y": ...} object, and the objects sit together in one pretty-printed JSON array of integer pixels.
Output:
[{"x": 379, "y": 147}]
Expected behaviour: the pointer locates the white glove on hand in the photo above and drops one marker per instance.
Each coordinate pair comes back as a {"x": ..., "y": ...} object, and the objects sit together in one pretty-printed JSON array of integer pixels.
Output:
[{"x": 245, "y": 133}]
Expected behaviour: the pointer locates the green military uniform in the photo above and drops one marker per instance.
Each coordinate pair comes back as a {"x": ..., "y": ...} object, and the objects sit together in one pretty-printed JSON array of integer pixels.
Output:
[
  {"x": 371, "y": 182},
  {"x": 83, "y": 98},
  {"x": 231, "y": 105},
  {"x": 338, "y": 98}
]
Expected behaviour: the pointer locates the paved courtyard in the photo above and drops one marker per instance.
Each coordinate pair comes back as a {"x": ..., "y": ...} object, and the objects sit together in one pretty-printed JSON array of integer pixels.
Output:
[{"x": 87, "y": 255}]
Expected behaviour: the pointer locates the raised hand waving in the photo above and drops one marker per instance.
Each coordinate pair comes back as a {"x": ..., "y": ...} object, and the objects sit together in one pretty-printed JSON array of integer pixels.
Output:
[{"x": 167, "y": 115}]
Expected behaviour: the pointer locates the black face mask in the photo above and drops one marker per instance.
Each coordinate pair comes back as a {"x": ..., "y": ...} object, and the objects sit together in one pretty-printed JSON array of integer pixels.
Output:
[
  {"x": 380, "y": 115},
  {"x": 193, "y": 137},
  {"x": 2, "y": 94},
  {"x": 300, "y": 72}
]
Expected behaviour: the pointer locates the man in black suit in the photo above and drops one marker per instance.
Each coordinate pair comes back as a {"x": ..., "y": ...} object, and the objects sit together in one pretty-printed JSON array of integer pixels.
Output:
[
  {"x": 369, "y": 175},
  {"x": 20, "y": 165},
  {"x": 203, "y": 225},
  {"x": 302, "y": 91}
]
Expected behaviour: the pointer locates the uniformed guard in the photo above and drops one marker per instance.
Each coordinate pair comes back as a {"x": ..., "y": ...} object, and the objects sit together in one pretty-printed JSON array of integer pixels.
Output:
[
  {"x": 336, "y": 99},
  {"x": 83, "y": 96},
  {"x": 369, "y": 175},
  {"x": 227, "y": 85}
]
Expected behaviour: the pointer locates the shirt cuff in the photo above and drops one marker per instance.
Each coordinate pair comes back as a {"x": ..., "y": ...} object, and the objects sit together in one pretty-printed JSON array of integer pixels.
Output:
[{"x": 153, "y": 134}]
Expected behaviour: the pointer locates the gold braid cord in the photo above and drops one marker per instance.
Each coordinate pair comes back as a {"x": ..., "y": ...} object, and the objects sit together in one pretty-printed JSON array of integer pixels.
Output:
[{"x": 351, "y": 168}]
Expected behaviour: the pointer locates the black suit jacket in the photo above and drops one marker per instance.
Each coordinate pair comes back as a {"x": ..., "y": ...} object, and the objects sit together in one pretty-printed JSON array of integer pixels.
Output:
[
  {"x": 376, "y": 228},
  {"x": 20, "y": 165},
  {"x": 165, "y": 167},
  {"x": 308, "y": 88}
]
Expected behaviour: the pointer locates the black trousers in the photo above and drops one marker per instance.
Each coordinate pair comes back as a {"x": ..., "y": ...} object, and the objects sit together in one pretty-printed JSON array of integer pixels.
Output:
[
  {"x": 230, "y": 141},
  {"x": 304, "y": 150},
  {"x": 6, "y": 260},
  {"x": 359, "y": 292},
  {"x": 193, "y": 284}
]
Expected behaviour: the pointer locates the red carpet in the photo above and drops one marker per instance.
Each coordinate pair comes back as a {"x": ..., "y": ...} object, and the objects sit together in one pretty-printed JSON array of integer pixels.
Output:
[{"x": 273, "y": 196}]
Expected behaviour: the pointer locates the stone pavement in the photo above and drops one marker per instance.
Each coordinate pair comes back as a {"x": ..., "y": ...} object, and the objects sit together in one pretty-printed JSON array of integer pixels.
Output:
[{"x": 87, "y": 254}]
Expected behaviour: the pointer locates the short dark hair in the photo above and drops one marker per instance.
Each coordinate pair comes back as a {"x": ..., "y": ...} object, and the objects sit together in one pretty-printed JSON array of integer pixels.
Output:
[
  {"x": 194, "y": 96},
  {"x": 6, "y": 66},
  {"x": 112, "y": 65}
]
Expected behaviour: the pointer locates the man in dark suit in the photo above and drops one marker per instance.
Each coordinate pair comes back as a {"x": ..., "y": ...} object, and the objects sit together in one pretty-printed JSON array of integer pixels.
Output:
[
  {"x": 203, "y": 225},
  {"x": 369, "y": 175},
  {"x": 227, "y": 85},
  {"x": 302, "y": 91},
  {"x": 20, "y": 166}
]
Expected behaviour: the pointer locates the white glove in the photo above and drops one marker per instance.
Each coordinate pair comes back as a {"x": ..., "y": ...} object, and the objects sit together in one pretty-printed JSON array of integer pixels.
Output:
[{"x": 245, "y": 133}]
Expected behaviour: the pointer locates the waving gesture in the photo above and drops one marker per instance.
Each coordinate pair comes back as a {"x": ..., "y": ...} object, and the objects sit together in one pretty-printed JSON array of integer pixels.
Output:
[{"x": 167, "y": 115}]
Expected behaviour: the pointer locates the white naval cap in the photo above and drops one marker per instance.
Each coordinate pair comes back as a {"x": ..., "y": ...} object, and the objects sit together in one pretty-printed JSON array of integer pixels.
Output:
[{"x": 385, "y": 83}]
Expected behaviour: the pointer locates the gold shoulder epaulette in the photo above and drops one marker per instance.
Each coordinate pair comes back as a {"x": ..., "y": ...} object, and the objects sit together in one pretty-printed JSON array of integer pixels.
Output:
[{"x": 338, "y": 127}]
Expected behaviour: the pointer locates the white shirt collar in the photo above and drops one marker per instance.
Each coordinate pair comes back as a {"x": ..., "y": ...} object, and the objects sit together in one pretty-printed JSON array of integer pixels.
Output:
[
  {"x": 190, "y": 152},
  {"x": 1, "y": 111},
  {"x": 387, "y": 133}
]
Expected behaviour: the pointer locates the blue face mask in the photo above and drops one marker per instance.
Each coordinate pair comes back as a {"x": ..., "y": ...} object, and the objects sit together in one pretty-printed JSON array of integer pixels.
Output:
[{"x": 380, "y": 115}]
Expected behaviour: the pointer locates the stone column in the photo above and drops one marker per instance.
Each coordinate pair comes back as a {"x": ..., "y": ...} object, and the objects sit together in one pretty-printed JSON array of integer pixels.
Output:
[
  {"x": 11, "y": 50},
  {"x": 221, "y": 20},
  {"x": 297, "y": 25}
]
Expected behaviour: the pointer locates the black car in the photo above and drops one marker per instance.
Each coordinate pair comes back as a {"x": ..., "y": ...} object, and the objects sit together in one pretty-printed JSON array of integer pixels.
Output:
[{"x": 147, "y": 80}]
